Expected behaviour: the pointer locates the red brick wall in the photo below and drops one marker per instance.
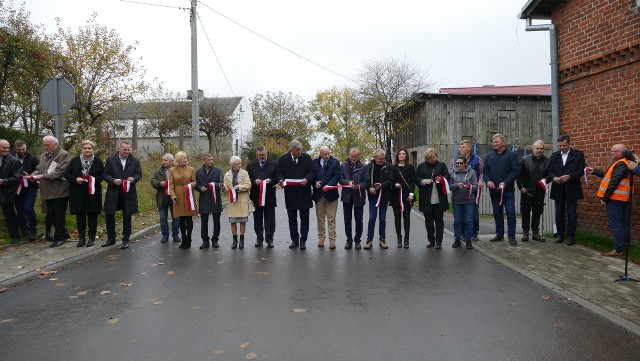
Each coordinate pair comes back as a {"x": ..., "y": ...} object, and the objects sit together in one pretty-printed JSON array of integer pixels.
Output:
[{"x": 599, "y": 63}]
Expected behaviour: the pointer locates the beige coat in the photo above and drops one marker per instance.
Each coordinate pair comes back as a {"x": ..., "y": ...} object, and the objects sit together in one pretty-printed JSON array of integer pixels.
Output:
[
  {"x": 241, "y": 207},
  {"x": 178, "y": 179},
  {"x": 53, "y": 184}
]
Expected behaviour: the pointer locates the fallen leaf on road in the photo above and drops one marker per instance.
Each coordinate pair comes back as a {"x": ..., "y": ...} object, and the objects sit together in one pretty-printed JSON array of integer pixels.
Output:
[
  {"x": 218, "y": 351},
  {"x": 264, "y": 258},
  {"x": 44, "y": 273},
  {"x": 158, "y": 264},
  {"x": 105, "y": 292},
  {"x": 220, "y": 262},
  {"x": 196, "y": 307},
  {"x": 143, "y": 273},
  {"x": 6, "y": 320},
  {"x": 134, "y": 340},
  {"x": 126, "y": 284},
  {"x": 262, "y": 273},
  {"x": 299, "y": 310},
  {"x": 244, "y": 345},
  {"x": 20, "y": 267},
  {"x": 53, "y": 279},
  {"x": 558, "y": 326},
  {"x": 156, "y": 301},
  {"x": 170, "y": 273},
  {"x": 546, "y": 298},
  {"x": 60, "y": 284},
  {"x": 73, "y": 297},
  {"x": 251, "y": 356},
  {"x": 82, "y": 293},
  {"x": 2, "y": 289},
  {"x": 112, "y": 320}
]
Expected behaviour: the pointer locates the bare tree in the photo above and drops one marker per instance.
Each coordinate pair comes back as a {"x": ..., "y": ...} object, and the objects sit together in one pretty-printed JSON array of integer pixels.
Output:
[{"x": 216, "y": 125}]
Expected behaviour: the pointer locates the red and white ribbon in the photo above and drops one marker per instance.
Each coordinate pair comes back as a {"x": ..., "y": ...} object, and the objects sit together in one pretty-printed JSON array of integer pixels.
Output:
[
  {"x": 543, "y": 183},
  {"x": 22, "y": 183},
  {"x": 91, "y": 182},
  {"x": 126, "y": 186},
  {"x": 190, "y": 204},
  {"x": 586, "y": 179},
  {"x": 338, "y": 186},
  {"x": 167, "y": 188},
  {"x": 379, "y": 201},
  {"x": 501, "y": 190},
  {"x": 479, "y": 195},
  {"x": 469, "y": 187},
  {"x": 233, "y": 195},
  {"x": 401, "y": 199},
  {"x": 262, "y": 194},
  {"x": 212, "y": 185},
  {"x": 292, "y": 182},
  {"x": 445, "y": 185}
]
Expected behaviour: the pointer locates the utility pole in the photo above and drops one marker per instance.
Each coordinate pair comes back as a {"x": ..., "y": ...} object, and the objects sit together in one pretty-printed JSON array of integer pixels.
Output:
[{"x": 195, "y": 108}]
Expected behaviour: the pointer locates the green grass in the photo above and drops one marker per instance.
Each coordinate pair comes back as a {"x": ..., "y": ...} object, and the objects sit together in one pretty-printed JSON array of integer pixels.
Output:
[{"x": 603, "y": 243}]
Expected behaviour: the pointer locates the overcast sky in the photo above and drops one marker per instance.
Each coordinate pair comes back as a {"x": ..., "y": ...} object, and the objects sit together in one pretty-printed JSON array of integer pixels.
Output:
[{"x": 460, "y": 42}]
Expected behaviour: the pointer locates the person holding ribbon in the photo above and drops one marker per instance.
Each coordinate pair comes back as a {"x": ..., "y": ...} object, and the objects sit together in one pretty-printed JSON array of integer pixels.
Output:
[
  {"x": 164, "y": 203},
  {"x": 27, "y": 191},
  {"x": 295, "y": 175},
  {"x": 238, "y": 184},
  {"x": 402, "y": 196},
  {"x": 182, "y": 183},
  {"x": 122, "y": 171},
  {"x": 325, "y": 194},
  {"x": 263, "y": 173},
  {"x": 431, "y": 178},
  {"x": 209, "y": 184},
  {"x": 54, "y": 188},
  {"x": 84, "y": 175},
  {"x": 10, "y": 174},
  {"x": 464, "y": 185},
  {"x": 475, "y": 162},
  {"x": 532, "y": 184},
  {"x": 566, "y": 168},
  {"x": 501, "y": 170},
  {"x": 352, "y": 178},
  {"x": 379, "y": 179}
]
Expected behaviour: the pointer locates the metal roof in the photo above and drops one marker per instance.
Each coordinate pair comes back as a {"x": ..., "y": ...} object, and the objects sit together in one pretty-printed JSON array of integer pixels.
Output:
[
  {"x": 538, "y": 9},
  {"x": 535, "y": 90}
]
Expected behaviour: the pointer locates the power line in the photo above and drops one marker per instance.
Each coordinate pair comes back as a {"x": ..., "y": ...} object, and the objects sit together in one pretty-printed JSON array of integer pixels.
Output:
[
  {"x": 214, "y": 54},
  {"x": 158, "y": 5},
  {"x": 276, "y": 44}
]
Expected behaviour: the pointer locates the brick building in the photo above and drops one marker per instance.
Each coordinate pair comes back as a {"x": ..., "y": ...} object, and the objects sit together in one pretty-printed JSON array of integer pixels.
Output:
[{"x": 598, "y": 44}]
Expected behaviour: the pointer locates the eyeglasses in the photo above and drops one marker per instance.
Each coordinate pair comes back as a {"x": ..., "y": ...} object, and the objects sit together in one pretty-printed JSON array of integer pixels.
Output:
[
  {"x": 615, "y": 151},
  {"x": 459, "y": 162}
]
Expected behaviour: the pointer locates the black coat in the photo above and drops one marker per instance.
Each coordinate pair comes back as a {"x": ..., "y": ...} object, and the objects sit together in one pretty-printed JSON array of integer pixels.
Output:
[
  {"x": 29, "y": 164},
  {"x": 350, "y": 195},
  {"x": 429, "y": 171},
  {"x": 205, "y": 202},
  {"x": 532, "y": 170},
  {"x": 571, "y": 189},
  {"x": 113, "y": 170},
  {"x": 384, "y": 176},
  {"x": 10, "y": 171},
  {"x": 407, "y": 179},
  {"x": 270, "y": 171},
  {"x": 296, "y": 197},
  {"x": 330, "y": 176},
  {"x": 79, "y": 198}
]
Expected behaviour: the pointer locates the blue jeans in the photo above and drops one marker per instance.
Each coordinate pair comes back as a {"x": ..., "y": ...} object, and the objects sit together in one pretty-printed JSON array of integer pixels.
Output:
[
  {"x": 509, "y": 205},
  {"x": 572, "y": 218},
  {"x": 476, "y": 222},
  {"x": 25, "y": 203},
  {"x": 617, "y": 217},
  {"x": 463, "y": 215},
  {"x": 164, "y": 224},
  {"x": 373, "y": 212}
]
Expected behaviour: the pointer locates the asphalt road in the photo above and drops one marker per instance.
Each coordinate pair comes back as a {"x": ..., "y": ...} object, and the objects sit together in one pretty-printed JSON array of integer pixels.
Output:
[{"x": 157, "y": 302}]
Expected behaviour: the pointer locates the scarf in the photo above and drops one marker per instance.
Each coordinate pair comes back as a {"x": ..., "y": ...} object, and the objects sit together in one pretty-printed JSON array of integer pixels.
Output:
[{"x": 86, "y": 164}]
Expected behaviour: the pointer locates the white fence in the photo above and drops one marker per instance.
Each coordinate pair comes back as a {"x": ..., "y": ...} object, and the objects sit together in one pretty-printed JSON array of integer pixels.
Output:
[{"x": 547, "y": 220}]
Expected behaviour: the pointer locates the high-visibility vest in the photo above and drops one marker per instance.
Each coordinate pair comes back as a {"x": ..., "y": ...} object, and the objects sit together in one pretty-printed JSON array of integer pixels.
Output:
[{"x": 622, "y": 190}]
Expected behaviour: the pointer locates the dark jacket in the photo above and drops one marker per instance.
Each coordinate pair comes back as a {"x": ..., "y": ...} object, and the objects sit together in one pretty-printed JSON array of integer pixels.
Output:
[
  {"x": 162, "y": 200},
  {"x": 113, "y": 170},
  {"x": 431, "y": 171},
  {"x": 620, "y": 172},
  {"x": 270, "y": 171},
  {"x": 406, "y": 177},
  {"x": 79, "y": 198},
  {"x": 29, "y": 165},
  {"x": 382, "y": 174},
  {"x": 296, "y": 197},
  {"x": 10, "y": 171},
  {"x": 205, "y": 202},
  {"x": 503, "y": 167},
  {"x": 532, "y": 170},
  {"x": 329, "y": 176},
  {"x": 357, "y": 176},
  {"x": 460, "y": 195},
  {"x": 571, "y": 190}
]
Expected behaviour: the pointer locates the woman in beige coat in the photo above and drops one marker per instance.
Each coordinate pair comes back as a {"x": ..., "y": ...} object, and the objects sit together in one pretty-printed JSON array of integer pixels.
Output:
[
  {"x": 184, "y": 204},
  {"x": 237, "y": 184}
]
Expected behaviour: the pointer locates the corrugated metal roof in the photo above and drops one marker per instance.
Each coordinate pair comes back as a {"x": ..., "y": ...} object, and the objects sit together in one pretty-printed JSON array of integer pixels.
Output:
[
  {"x": 539, "y": 90},
  {"x": 140, "y": 110}
]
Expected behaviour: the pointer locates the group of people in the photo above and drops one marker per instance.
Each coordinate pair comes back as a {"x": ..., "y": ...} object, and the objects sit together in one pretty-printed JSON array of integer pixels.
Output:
[{"x": 76, "y": 182}]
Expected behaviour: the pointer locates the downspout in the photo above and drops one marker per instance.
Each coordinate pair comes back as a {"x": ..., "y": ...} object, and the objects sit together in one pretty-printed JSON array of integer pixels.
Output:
[{"x": 555, "y": 102}]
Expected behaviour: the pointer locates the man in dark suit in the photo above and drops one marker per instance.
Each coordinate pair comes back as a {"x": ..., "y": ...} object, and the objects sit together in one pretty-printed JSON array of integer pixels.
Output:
[
  {"x": 352, "y": 174},
  {"x": 295, "y": 167},
  {"x": 10, "y": 170},
  {"x": 566, "y": 167},
  {"x": 26, "y": 199},
  {"x": 263, "y": 174},
  {"x": 121, "y": 172},
  {"x": 327, "y": 170},
  {"x": 209, "y": 181}
]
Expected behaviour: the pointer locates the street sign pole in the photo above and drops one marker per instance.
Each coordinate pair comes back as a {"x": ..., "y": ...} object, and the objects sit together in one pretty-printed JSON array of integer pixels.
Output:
[
  {"x": 57, "y": 97},
  {"x": 56, "y": 118}
]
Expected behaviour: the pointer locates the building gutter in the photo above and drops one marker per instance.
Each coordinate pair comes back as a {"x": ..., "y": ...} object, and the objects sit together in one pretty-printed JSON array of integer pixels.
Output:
[{"x": 555, "y": 102}]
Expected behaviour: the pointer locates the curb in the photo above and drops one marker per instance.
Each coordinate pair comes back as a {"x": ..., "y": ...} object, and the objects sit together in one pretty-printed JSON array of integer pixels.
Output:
[
  {"x": 628, "y": 325},
  {"x": 96, "y": 250}
]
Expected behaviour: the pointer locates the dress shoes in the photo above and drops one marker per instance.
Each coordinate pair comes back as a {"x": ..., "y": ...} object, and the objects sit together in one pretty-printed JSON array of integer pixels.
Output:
[
  {"x": 456, "y": 244},
  {"x": 124, "y": 245},
  {"x": 214, "y": 243},
  {"x": 293, "y": 245},
  {"x": 109, "y": 242},
  {"x": 513, "y": 242},
  {"x": 81, "y": 242},
  {"x": 91, "y": 241},
  {"x": 258, "y": 244},
  {"x": 358, "y": 246},
  {"x": 369, "y": 244},
  {"x": 559, "y": 240},
  {"x": 571, "y": 241},
  {"x": 496, "y": 239},
  {"x": 205, "y": 244},
  {"x": 269, "y": 244},
  {"x": 347, "y": 246},
  {"x": 438, "y": 245},
  {"x": 536, "y": 237},
  {"x": 56, "y": 243},
  {"x": 303, "y": 245},
  {"x": 612, "y": 253},
  {"x": 431, "y": 244}
]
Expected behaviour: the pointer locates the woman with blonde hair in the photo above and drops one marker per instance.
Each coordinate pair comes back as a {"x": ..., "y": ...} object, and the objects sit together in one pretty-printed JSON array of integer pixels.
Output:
[
  {"x": 237, "y": 184},
  {"x": 182, "y": 182},
  {"x": 432, "y": 180}
]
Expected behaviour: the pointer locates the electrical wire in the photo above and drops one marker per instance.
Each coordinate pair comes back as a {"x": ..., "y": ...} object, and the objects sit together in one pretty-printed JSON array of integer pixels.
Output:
[
  {"x": 274, "y": 43},
  {"x": 158, "y": 5},
  {"x": 215, "y": 55}
]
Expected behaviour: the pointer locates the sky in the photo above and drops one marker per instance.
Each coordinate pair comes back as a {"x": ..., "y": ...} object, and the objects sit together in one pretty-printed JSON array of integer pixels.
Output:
[{"x": 458, "y": 43}]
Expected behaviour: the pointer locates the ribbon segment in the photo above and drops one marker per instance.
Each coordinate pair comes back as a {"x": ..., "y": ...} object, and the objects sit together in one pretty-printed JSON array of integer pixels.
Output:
[
  {"x": 190, "y": 204},
  {"x": 212, "y": 185},
  {"x": 262, "y": 195},
  {"x": 126, "y": 186}
]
